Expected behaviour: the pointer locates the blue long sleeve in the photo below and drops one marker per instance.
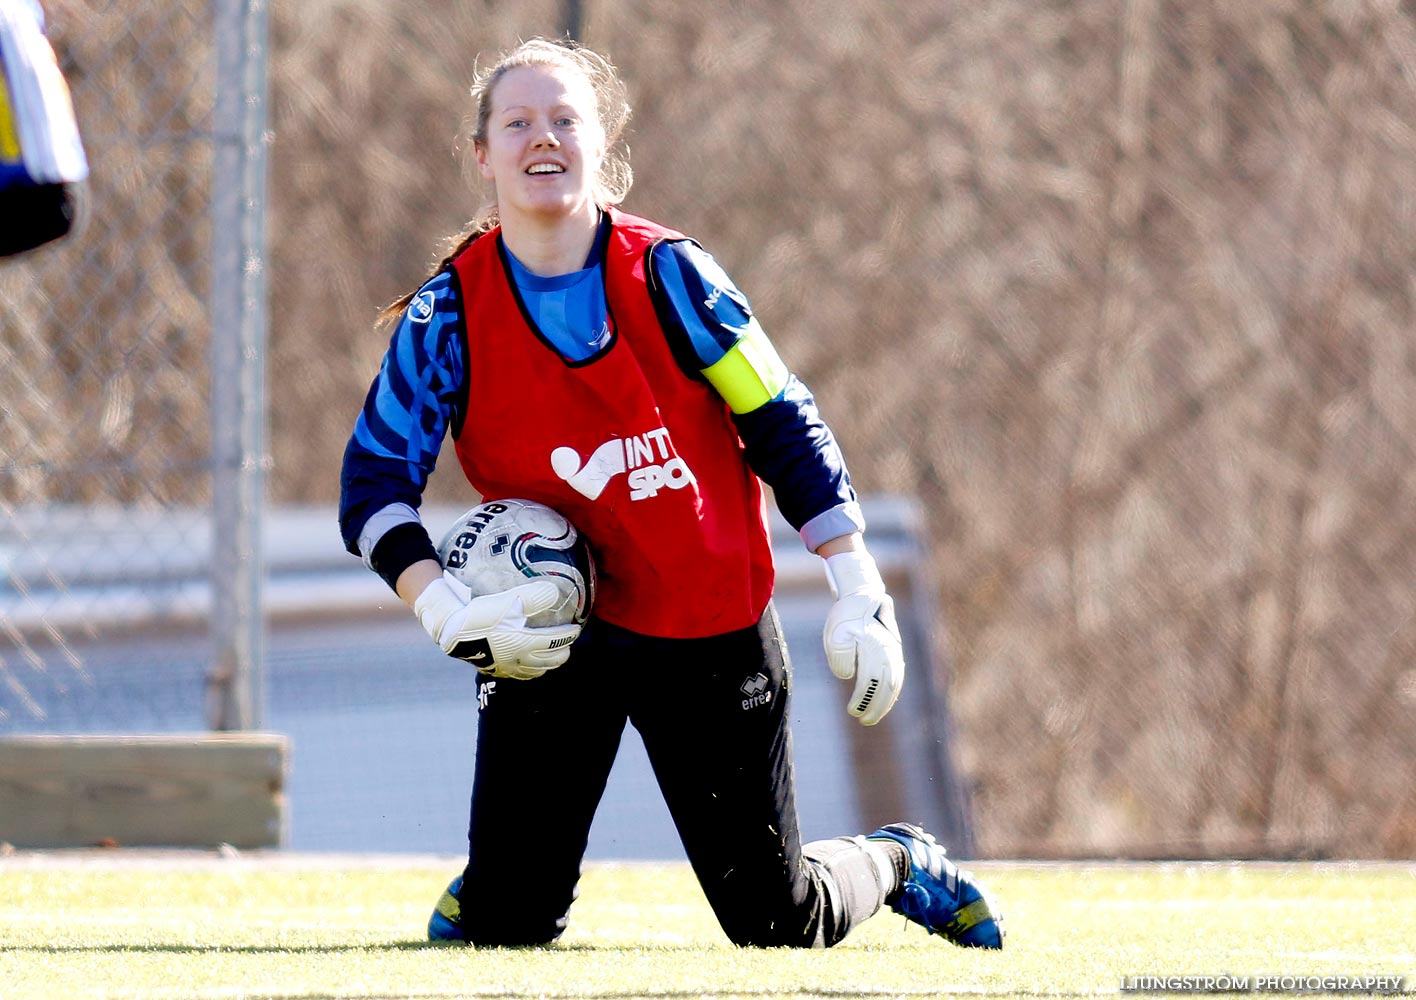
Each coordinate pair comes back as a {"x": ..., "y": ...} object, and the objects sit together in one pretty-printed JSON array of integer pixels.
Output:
[
  {"x": 793, "y": 450},
  {"x": 416, "y": 397},
  {"x": 787, "y": 443}
]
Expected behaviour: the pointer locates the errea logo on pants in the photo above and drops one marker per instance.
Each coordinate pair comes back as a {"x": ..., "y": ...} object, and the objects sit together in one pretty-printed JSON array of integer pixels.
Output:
[
  {"x": 648, "y": 458},
  {"x": 755, "y": 687}
]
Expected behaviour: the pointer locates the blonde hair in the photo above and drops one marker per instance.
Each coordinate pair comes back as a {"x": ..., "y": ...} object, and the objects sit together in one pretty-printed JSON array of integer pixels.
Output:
[{"x": 613, "y": 178}]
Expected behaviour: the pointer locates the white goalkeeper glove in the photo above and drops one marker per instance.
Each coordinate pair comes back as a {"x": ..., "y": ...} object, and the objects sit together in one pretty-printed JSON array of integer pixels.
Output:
[
  {"x": 861, "y": 637},
  {"x": 491, "y": 632}
]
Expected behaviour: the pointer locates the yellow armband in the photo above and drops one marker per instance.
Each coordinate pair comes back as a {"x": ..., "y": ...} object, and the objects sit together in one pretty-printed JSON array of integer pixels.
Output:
[{"x": 750, "y": 373}]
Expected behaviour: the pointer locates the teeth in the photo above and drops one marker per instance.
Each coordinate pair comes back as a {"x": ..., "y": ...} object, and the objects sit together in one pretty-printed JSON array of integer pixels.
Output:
[{"x": 544, "y": 168}]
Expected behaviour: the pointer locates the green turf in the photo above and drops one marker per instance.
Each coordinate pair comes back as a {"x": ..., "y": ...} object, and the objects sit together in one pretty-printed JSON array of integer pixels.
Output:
[{"x": 244, "y": 928}]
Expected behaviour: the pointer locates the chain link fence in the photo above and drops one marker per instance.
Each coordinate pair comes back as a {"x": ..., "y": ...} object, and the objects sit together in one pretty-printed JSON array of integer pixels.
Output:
[{"x": 114, "y": 426}]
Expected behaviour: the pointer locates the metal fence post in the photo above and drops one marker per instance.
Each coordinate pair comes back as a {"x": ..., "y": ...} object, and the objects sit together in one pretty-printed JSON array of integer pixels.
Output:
[
  {"x": 235, "y": 695},
  {"x": 573, "y": 19}
]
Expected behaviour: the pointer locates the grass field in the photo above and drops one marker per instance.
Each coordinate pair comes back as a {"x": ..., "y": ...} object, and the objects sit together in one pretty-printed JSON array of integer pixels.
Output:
[{"x": 80, "y": 926}]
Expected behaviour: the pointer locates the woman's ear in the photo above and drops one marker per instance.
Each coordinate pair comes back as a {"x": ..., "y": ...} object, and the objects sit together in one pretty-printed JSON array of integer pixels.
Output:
[{"x": 483, "y": 166}]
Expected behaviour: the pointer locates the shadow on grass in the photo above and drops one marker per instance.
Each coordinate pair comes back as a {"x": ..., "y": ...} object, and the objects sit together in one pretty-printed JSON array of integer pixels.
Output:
[
  {"x": 947, "y": 989},
  {"x": 385, "y": 946},
  {"x": 569, "y": 993},
  {"x": 333, "y": 949},
  {"x": 943, "y": 991},
  {"x": 212, "y": 949}
]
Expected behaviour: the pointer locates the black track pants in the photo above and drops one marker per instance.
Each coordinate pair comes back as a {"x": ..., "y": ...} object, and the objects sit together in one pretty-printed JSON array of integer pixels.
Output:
[{"x": 713, "y": 714}]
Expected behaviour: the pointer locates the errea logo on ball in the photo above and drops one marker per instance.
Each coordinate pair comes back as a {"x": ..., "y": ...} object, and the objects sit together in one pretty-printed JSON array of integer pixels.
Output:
[{"x": 648, "y": 458}]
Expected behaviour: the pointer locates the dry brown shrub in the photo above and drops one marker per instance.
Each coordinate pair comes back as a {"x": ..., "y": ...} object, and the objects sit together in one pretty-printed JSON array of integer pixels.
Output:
[
  {"x": 104, "y": 339},
  {"x": 1123, "y": 293}
]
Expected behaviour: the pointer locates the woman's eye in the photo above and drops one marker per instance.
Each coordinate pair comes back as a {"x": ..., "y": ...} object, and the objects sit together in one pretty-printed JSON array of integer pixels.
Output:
[{"x": 565, "y": 122}]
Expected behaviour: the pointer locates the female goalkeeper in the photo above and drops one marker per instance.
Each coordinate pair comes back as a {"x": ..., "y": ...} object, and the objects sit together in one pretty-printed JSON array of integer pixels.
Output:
[{"x": 605, "y": 365}]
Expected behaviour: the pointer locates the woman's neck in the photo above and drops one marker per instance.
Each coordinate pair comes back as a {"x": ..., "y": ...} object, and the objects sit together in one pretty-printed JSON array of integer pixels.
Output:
[{"x": 555, "y": 246}]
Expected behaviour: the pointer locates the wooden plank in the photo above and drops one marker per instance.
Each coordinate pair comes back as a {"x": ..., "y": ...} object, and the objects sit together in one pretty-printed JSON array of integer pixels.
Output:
[{"x": 197, "y": 790}]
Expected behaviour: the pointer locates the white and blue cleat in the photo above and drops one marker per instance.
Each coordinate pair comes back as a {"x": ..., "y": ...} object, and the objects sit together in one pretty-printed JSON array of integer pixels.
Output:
[
  {"x": 938, "y": 896},
  {"x": 445, "y": 923}
]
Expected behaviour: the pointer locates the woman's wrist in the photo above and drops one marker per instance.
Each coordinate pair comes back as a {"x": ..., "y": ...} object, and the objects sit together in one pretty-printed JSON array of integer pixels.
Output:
[
  {"x": 854, "y": 572},
  {"x": 415, "y": 579}
]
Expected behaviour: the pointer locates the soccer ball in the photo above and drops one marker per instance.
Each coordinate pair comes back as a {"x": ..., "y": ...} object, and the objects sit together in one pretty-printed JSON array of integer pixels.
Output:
[{"x": 502, "y": 544}]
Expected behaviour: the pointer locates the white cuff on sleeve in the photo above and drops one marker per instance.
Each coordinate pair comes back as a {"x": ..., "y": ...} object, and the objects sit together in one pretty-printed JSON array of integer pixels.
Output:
[
  {"x": 379, "y": 524},
  {"x": 843, "y": 519}
]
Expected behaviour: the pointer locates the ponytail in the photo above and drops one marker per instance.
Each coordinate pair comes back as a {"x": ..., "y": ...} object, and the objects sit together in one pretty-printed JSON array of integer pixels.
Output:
[{"x": 392, "y": 312}]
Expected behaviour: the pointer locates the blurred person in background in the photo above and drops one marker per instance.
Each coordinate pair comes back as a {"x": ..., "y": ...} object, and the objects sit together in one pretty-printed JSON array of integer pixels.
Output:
[
  {"x": 42, "y": 164},
  {"x": 569, "y": 346}
]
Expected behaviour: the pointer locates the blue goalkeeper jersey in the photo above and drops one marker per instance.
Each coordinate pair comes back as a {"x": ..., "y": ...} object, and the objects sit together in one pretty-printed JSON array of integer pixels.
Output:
[{"x": 419, "y": 393}]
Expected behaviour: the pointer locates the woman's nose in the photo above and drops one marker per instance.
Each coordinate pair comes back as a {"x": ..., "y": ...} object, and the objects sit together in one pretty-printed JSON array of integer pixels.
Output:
[{"x": 547, "y": 138}]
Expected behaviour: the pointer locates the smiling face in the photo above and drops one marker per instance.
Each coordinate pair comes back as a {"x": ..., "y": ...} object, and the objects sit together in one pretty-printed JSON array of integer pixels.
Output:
[{"x": 543, "y": 144}]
